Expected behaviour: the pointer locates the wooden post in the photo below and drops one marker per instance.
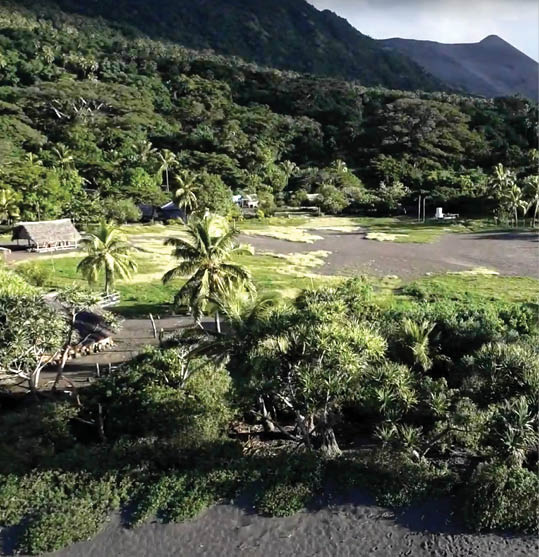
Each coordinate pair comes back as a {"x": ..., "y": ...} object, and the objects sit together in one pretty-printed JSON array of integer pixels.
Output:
[{"x": 153, "y": 326}]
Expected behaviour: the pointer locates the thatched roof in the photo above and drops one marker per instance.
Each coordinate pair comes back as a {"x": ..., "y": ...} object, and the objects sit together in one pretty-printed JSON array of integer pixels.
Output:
[{"x": 42, "y": 232}]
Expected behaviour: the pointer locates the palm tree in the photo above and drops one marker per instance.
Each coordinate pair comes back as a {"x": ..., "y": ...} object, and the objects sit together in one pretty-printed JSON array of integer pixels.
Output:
[
  {"x": 144, "y": 151},
  {"x": 206, "y": 257},
  {"x": 63, "y": 155},
  {"x": 531, "y": 187},
  {"x": 8, "y": 205},
  {"x": 108, "y": 252},
  {"x": 514, "y": 201},
  {"x": 185, "y": 195},
  {"x": 167, "y": 158}
]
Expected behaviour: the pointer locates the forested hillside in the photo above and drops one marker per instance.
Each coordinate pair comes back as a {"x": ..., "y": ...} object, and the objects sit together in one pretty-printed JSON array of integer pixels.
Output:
[
  {"x": 89, "y": 113},
  {"x": 284, "y": 34}
]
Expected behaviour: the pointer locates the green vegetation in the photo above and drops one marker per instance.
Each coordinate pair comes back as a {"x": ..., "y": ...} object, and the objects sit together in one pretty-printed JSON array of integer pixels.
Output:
[
  {"x": 108, "y": 254},
  {"x": 206, "y": 258},
  {"x": 95, "y": 118},
  {"x": 416, "y": 379},
  {"x": 427, "y": 390},
  {"x": 475, "y": 287}
]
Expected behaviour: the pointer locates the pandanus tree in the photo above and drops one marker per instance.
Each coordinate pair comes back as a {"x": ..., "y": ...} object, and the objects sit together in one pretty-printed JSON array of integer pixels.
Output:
[
  {"x": 107, "y": 253},
  {"x": 206, "y": 257}
]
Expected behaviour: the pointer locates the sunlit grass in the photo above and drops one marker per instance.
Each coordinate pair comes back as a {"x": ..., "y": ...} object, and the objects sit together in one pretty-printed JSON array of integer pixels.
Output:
[{"x": 478, "y": 286}]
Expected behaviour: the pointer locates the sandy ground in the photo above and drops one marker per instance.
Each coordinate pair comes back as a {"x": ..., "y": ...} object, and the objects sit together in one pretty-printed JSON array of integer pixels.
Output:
[
  {"x": 350, "y": 527},
  {"x": 507, "y": 253}
]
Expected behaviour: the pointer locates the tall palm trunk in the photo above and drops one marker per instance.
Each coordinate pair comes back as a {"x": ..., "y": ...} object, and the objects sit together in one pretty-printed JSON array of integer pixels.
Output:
[
  {"x": 108, "y": 281},
  {"x": 217, "y": 321}
]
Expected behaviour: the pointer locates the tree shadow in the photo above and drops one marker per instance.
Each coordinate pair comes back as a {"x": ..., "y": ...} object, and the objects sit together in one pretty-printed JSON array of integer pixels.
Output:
[{"x": 505, "y": 235}]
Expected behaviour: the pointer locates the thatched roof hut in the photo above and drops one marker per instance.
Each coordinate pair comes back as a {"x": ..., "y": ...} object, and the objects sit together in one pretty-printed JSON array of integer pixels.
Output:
[{"x": 47, "y": 235}]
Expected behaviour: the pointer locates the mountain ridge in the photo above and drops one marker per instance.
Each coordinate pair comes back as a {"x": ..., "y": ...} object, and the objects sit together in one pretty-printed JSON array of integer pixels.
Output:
[
  {"x": 491, "y": 67},
  {"x": 284, "y": 34}
]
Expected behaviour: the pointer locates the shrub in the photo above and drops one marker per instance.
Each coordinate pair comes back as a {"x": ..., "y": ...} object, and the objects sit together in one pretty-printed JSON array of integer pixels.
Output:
[
  {"x": 289, "y": 483},
  {"x": 499, "y": 497},
  {"x": 35, "y": 274},
  {"x": 398, "y": 481},
  {"x": 498, "y": 371},
  {"x": 162, "y": 394},
  {"x": 63, "y": 507},
  {"x": 284, "y": 499},
  {"x": 179, "y": 496},
  {"x": 121, "y": 210}
]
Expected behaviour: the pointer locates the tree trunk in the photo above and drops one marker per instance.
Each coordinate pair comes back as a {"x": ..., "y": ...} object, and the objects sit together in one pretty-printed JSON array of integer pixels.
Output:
[
  {"x": 329, "y": 446},
  {"x": 107, "y": 282},
  {"x": 267, "y": 423},
  {"x": 33, "y": 382},
  {"x": 166, "y": 176},
  {"x": 217, "y": 322}
]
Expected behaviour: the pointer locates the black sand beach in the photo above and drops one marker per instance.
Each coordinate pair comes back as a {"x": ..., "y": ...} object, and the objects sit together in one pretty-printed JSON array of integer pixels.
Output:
[{"x": 352, "y": 527}]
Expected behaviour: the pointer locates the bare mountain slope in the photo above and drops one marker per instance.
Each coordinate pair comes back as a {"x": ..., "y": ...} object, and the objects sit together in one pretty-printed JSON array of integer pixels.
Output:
[{"x": 491, "y": 67}]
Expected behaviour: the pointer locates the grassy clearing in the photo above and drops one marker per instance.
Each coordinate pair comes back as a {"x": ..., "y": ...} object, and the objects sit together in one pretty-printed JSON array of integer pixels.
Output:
[
  {"x": 475, "y": 285},
  {"x": 145, "y": 293},
  {"x": 299, "y": 229},
  {"x": 388, "y": 229}
]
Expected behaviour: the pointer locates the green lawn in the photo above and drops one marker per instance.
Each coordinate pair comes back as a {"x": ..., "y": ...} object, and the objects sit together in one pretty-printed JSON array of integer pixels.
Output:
[
  {"x": 288, "y": 274},
  {"x": 145, "y": 293},
  {"x": 478, "y": 287}
]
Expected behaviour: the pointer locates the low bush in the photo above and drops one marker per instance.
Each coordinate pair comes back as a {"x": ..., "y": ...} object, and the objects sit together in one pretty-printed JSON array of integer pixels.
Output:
[
  {"x": 35, "y": 274},
  {"x": 398, "y": 481},
  {"x": 121, "y": 211},
  {"x": 284, "y": 500},
  {"x": 56, "y": 509},
  {"x": 289, "y": 483},
  {"x": 162, "y": 394},
  {"x": 179, "y": 496},
  {"x": 501, "y": 497}
]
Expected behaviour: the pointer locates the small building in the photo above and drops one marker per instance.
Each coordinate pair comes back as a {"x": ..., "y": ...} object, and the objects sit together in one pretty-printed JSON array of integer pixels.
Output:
[
  {"x": 148, "y": 212},
  {"x": 246, "y": 201},
  {"x": 170, "y": 211},
  {"x": 50, "y": 235}
]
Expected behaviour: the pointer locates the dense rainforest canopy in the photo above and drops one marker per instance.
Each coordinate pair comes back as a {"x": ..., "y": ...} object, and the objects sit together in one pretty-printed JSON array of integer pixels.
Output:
[
  {"x": 285, "y": 34},
  {"x": 89, "y": 111}
]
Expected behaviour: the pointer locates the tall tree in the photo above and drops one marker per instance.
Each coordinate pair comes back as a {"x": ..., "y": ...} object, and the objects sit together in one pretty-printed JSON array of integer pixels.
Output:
[
  {"x": 9, "y": 208},
  {"x": 531, "y": 189},
  {"x": 513, "y": 200},
  {"x": 206, "y": 258},
  {"x": 186, "y": 193},
  {"x": 107, "y": 253},
  {"x": 167, "y": 158}
]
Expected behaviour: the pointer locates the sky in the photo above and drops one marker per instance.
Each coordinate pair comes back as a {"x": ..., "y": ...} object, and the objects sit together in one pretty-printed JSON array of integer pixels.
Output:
[{"x": 446, "y": 21}]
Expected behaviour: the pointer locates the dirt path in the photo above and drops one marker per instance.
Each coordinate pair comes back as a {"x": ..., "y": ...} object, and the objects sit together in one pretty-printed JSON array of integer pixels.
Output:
[{"x": 509, "y": 254}]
